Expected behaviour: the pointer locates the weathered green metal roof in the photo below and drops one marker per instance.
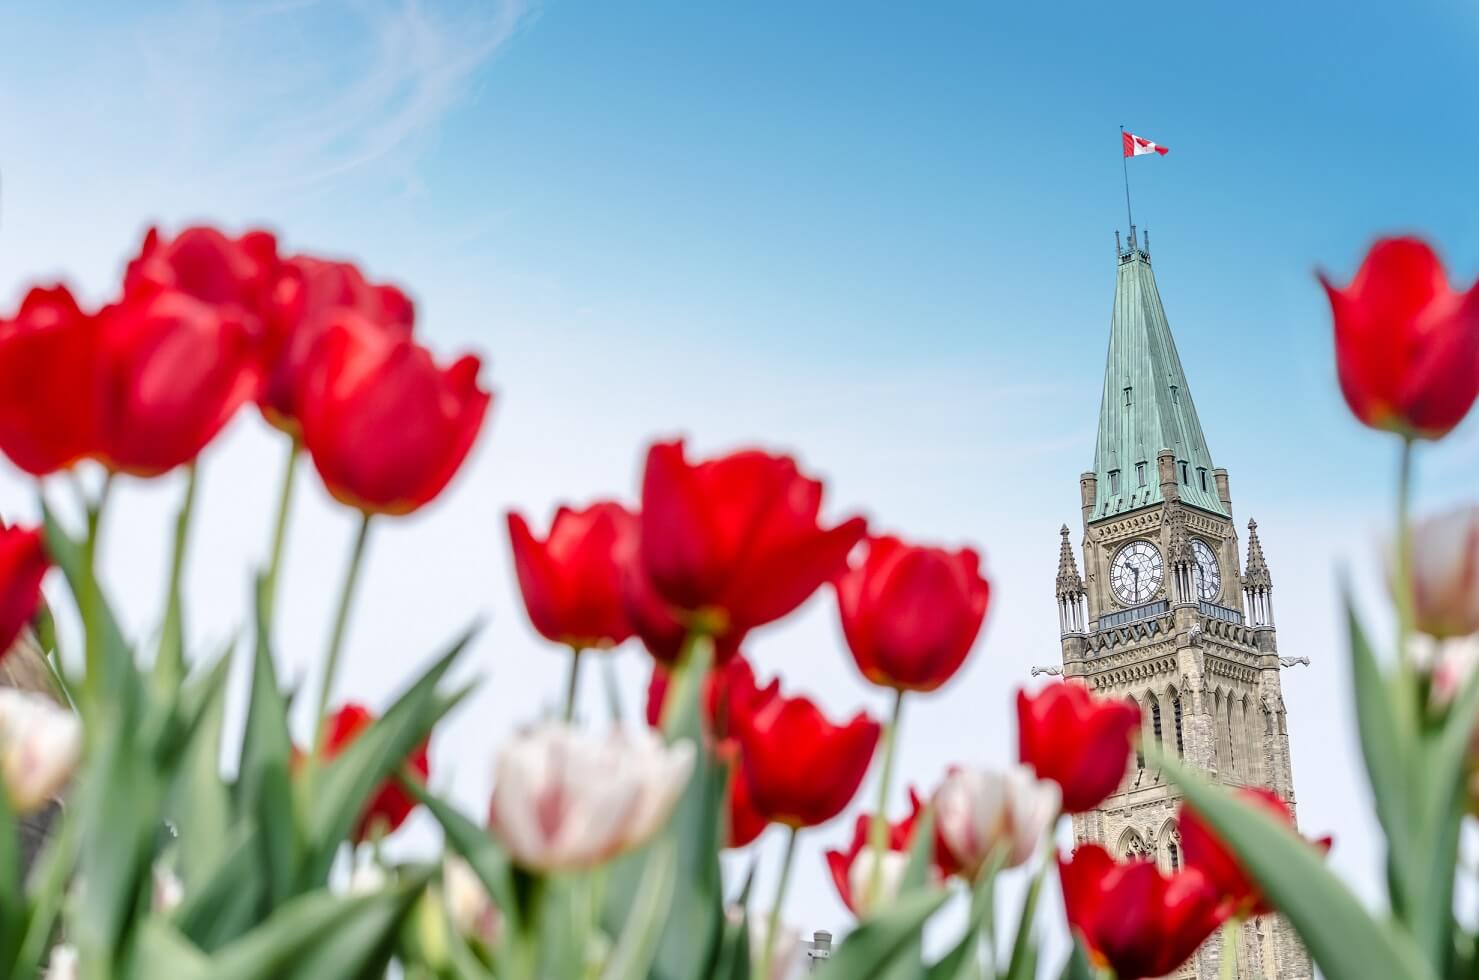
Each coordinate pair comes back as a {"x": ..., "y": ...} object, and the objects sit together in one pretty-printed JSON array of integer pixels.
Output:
[{"x": 1147, "y": 403}]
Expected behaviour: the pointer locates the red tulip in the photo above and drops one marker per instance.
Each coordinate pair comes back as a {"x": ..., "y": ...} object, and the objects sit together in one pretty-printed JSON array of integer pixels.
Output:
[
  {"x": 1205, "y": 852},
  {"x": 170, "y": 371},
  {"x": 234, "y": 276},
  {"x": 392, "y": 803},
  {"x": 912, "y": 614},
  {"x": 802, "y": 769},
  {"x": 1406, "y": 344},
  {"x": 734, "y": 543},
  {"x": 23, "y": 563},
  {"x": 662, "y": 633},
  {"x": 571, "y": 581},
  {"x": 307, "y": 294},
  {"x": 1134, "y": 919},
  {"x": 1080, "y": 741},
  {"x": 744, "y": 822},
  {"x": 853, "y": 868},
  {"x": 46, "y": 405},
  {"x": 387, "y": 428}
]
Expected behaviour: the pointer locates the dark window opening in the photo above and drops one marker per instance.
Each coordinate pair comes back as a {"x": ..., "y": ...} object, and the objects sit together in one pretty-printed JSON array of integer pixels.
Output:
[
  {"x": 1155, "y": 720},
  {"x": 1114, "y": 481},
  {"x": 1185, "y": 472},
  {"x": 1140, "y": 469},
  {"x": 1176, "y": 715},
  {"x": 1202, "y": 475},
  {"x": 1175, "y": 857},
  {"x": 1128, "y": 389}
]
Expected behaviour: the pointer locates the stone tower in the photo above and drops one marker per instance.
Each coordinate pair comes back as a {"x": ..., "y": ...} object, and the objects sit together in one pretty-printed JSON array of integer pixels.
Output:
[{"x": 1164, "y": 615}]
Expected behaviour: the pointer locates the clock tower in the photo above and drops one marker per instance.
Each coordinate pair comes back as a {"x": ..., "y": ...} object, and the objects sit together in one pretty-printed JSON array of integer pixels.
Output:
[{"x": 1165, "y": 614}]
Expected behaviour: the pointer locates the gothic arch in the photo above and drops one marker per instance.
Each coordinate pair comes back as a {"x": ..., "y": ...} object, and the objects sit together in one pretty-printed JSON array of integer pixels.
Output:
[
  {"x": 1131, "y": 844},
  {"x": 1236, "y": 758},
  {"x": 1168, "y": 846},
  {"x": 1173, "y": 698},
  {"x": 1156, "y": 720}
]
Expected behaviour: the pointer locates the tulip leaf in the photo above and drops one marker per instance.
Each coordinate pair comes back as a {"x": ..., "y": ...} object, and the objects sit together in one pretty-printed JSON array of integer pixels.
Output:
[
  {"x": 48, "y": 878},
  {"x": 1078, "y": 966},
  {"x": 1382, "y": 745},
  {"x": 223, "y": 899},
  {"x": 691, "y": 936},
  {"x": 733, "y": 959},
  {"x": 1023, "y": 964},
  {"x": 478, "y": 848},
  {"x": 264, "y": 786},
  {"x": 12, "y": 905},
  {"x": 870, "y": 951},
  {"x": 1342, "y": 937},
  {"x": 119, "y": 677},
  {"x": 347, "y": 781},
  {"x": 636, "y": 948},
  {"x": 161, "y": 951},
  {"x": 921, "y": 852},
  {"x": 320, "y": 936},
  {"x": 200, "y": 804},
  {"x": 960, "y": 963}
]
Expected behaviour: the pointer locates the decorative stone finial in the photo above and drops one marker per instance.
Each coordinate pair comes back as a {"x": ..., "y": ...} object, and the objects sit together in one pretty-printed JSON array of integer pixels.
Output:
[
  {"x": 1255, "y": 574},
  {"x": 1070, "y": 583}
]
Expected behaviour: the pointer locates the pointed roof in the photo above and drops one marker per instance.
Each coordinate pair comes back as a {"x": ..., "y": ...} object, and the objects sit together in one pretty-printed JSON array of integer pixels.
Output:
[
  {"x": 1069, "y": 581},
  {"x": 1147, "y": 403},
  {"x": 1255, "y": 570}
]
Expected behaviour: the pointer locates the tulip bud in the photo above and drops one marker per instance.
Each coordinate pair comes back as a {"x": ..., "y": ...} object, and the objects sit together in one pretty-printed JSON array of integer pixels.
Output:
[
  {"x": 167, "y": 892},
  {"x": 1445, "y": 573},
  {"x": 469, "y": 905},
  {"x": 565, "y": 799},
  {"x": 63, "y": 963},
  {"x": 980, "y": 811},
  {"x": 40, "y": 746}
]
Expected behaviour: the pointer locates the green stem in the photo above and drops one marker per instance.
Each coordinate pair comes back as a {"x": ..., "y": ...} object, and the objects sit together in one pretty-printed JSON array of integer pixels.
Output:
[
  {"x": 1029, "y": 909},
  {"x": 170, "y": 667},
  {"x": 280, "y": 528},
  {"x": 1232, "y": 931},
  {"x": 92, "y": 600},
  {"x": 613, "y": 689},
  {"x": 878, "y": 828},
  {"x": 336, "y": 639},
  {"x": 773, "y": 923},
  {"x": 1402, "y": 587},
  {"x": 572, "y": 685}
]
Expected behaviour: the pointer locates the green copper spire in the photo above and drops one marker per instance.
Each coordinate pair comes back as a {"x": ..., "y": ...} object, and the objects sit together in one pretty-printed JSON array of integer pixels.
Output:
[{"x": 1147, "y": 404}]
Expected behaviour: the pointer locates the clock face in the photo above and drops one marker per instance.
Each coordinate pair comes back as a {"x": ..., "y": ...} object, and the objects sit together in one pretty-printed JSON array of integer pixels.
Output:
[
  {"x": 1208, "y": 577},
  {"x": 1136, "y": 573}
]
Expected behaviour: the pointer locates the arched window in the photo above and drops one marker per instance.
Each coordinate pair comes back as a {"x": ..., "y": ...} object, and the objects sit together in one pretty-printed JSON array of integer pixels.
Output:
[
  {"x": 1232, "y": 738},
  {"x": 1175, "y": 857},
  {"x": 1155, "y": 718},
  {"x": 1176, "y": 714}
]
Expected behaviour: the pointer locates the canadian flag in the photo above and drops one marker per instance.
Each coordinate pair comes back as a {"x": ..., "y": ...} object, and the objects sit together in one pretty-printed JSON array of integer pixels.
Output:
[{"x": 1136, "y": 146}]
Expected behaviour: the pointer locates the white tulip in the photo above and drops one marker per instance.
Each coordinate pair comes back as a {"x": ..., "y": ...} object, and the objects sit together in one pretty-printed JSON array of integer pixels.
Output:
[
  {"x": 890, "y": 878},
  {"x": 565, "y": 799},
  {"x": 980, "y": 810},
  {"x": 366, "y": 879},
  {"x": 469, "y": 905},
  {"x": 63, "y": 963},
  {"x": 40, "y": 746}
]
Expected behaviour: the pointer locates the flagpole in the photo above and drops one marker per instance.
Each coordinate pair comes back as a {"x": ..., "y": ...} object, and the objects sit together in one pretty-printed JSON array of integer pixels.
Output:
[{"x": 1129, "y": 215}]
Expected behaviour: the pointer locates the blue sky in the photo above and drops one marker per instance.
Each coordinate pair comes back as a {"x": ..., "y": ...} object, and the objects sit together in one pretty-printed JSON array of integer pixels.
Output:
[{"x": 877, "y": 234}]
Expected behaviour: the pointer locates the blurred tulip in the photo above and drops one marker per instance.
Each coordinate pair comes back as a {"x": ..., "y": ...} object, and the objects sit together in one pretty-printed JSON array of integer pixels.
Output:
[
  {"x": 1077, "y": 739},
  {"x": 40, "y": 747},
  {"x": 387, "y": 429},
  {"x": 730, "y": 695},
  {"x": 171, "y": 371},
  {"x": 469, "y": 905},
  {"x": 47, "y": 412},
  {"x": 911, "y": 614},
  {"x": 1451, "y": 663},
  {"x": 23, "y": 564},
  {"x": 1205, "y": 852},
  {"x": 1132, "y": 918},
  {"x": 366, "y": 878},
  {"x": 785, "y": 952},
  {"x": 979, "y": 811},
  {"x": 657, "y": 625},
  {"x": 571, "y": 581},
  {"x": 733, "y": 542},
  {"x": 853, "y": 869},
  {"x": 801, "y": 769},
  {"x": 1445, "y": 573},
  {"x": 391, "y": 803},
  {"x": 1406, "y": 343},
  {"x": 565, "y": 799},
  {"x": 235, "y": 276},
  {"x": 63, "y": 963},
  {"x": 306, "y": 295}
]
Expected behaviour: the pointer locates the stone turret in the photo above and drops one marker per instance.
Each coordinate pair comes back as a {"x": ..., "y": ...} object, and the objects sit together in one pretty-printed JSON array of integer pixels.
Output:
[
  {"x": 1072, "y": 609},
  {"x": 1258, "y": 584}
]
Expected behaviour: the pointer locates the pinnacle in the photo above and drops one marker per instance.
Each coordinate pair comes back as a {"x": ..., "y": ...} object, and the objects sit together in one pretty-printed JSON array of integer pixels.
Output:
[{"x": 1069, "y": 581}]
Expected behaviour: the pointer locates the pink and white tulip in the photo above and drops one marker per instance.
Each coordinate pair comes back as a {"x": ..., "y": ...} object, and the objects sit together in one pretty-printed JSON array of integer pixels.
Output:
[
  {"x": 40, "y": 746},
  {"x": 1445, "y": 573},
  {"x": 979, "y": 811},
  {"x": 469, "y": 905},
  {"x": 565, "y": 799}
]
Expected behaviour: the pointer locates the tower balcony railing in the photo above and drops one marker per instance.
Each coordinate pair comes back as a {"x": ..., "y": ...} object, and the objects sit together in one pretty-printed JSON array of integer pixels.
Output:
[
  {"x": 1134, "y": 614},
  {"x": 1213, "y": 611}
]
